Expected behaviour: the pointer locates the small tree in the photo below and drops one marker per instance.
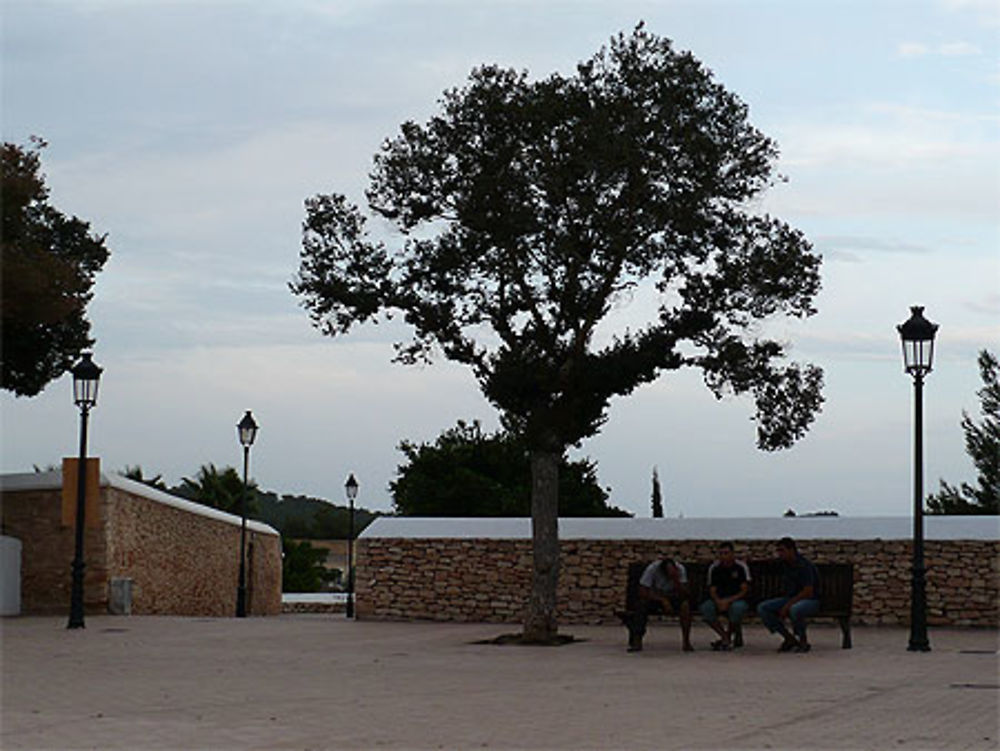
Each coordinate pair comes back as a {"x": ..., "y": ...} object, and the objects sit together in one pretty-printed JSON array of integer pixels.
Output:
[
  {"x": 657, "y": 499},
  {"x": 302, "y": 568},
  {"x": 529, "y": 211},
  {"x": 48, "y": 262},
  {"x": 982, "y": 444}
]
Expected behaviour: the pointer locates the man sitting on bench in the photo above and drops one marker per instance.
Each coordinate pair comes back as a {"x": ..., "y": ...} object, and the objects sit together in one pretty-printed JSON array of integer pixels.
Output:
[
  {"x": 664, "y": 582},
  {"x": 728, "y": 584}
]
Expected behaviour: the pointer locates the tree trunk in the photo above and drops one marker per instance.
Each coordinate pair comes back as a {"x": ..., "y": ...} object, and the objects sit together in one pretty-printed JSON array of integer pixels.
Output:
[{"x": 540, "y": 625}]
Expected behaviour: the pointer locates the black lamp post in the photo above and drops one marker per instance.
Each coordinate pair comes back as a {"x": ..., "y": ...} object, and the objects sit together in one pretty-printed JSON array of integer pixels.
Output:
[
  {"x": 351, "y": 488},
  {"x": 917, "y": 335},
  {"x": 86, "y": 377},
  {"x": 247, "y": 431}
]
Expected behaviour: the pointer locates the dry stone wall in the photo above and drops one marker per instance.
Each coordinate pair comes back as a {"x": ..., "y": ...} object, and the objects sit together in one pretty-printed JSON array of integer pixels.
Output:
[
  {"x": 184, "y": 564},
  {"x": 180, "y": 562},
  {"x": 488, "y": 580},
  {"x": 35, "y": 518}
]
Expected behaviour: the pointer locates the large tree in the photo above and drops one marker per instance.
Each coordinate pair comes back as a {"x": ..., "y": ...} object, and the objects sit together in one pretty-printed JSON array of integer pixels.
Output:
[
  {"x": 529, "y": 212},
  {"x": 982, "y": 444},
  {"x": 48, "y": 264},
  {"x": 466, "y": 472}
]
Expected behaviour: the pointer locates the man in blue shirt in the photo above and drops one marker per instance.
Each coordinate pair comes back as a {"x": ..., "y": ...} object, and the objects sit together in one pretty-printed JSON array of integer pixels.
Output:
[{"x": 800, "y": 601}]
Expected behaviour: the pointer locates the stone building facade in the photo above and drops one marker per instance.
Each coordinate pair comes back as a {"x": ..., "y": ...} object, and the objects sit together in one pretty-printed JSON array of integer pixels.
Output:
[
  {"x": 480, "y": 570},
  {"x": 179, "y": 557}
]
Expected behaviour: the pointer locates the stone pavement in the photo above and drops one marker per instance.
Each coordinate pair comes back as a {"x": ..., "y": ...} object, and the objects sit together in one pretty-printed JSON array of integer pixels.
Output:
[{"x": 320, "y": 681}]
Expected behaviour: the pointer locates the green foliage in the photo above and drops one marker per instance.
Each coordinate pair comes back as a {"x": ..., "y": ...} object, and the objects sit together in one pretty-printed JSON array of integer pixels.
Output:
[
  {"x": 466, "y": 472},
  {"x": 310, "y": 518},
  {"x": 49, "y": 262},
  {"x": 219, "y": 489},
  {"x": 302, "y": 567},
  {"x": 531, "y": 210},
  {"x": 528, "y": 212},
  {"x": 982, "y": 444},
  {"x": 657, "y": 499},
  {"x": 135, "y": 473}
]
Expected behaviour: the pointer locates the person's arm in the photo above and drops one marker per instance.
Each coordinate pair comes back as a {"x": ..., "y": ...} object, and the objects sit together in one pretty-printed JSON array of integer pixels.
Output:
[
  {"x": 648, "y": 593},
  {"x": 805, "y": 593},
  {"x": 741, "y": 595}
]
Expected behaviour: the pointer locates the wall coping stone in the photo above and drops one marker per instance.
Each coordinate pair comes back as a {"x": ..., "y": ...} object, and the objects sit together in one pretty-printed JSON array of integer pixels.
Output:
[
  {"x": 28, "y": 481},
  {"x": 801, "y": 528}
]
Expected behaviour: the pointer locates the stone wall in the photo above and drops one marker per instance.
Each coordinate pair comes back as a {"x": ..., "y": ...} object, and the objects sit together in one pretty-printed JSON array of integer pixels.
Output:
[
  {"x": 488, "y": 580},
  {"x": 183, "y": 559},
  {"x": 35, "y": 518},
  {"x": 185, "y": 564}
]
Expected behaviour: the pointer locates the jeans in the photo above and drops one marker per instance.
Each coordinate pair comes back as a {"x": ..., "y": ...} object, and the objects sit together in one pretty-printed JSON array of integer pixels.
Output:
[
  {"x": 768, "y": 612},
  {"x": 737, "y": 608}
]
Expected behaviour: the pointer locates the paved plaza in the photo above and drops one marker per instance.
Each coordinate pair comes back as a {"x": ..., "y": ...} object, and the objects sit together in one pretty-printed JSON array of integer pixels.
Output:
[{"x": 310, "y": 681}]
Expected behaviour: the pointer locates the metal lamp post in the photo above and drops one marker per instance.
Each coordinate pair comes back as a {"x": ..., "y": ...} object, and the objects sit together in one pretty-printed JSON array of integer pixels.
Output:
[
  {"x": 86, "y": 377},
  {"x": 351, "y": 488},
  {"x": 247, "y": 431},
  {"x": 917, "y": 335}
]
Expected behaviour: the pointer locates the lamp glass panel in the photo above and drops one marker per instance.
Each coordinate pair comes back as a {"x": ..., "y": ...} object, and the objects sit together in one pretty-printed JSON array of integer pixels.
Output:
[{"x": 85, "y": 391}]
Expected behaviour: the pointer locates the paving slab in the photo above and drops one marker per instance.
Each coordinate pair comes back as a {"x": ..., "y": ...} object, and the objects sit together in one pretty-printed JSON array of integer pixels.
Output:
[{"x": 310, "y": 681}]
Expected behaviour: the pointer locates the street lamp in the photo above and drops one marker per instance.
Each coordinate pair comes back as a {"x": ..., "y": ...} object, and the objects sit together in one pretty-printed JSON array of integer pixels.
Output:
[
  {"x": 917, "y": 335},
  {"x": 86, "y": 377},
  {"x": 247, "y": 431},
  {"x": 351, "y": 488}
]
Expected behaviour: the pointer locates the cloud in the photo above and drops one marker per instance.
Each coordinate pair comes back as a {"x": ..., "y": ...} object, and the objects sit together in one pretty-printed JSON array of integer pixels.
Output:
[
  {"x": 959, "y": 49},
  {"x": 986, "y": 11},
  {"x": 947, "y": 49},
  {"x": 911, "y": 49},
  {"x": 850, "y": 245}
]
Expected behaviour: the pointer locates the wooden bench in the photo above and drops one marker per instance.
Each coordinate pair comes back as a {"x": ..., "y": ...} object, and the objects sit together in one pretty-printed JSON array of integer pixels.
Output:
[{"x": 836, "y": 584}]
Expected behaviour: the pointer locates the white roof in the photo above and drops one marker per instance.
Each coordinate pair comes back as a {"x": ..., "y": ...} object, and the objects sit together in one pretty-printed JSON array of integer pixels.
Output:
[
  {"x": 804, "y": 528},
  {"x": 53, "y": 481}
]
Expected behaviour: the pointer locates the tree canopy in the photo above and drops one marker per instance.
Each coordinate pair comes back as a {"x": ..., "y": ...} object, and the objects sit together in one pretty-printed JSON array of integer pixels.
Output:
[
  {"x": 221, "y": 489},
  {"x": 466, "y": 472},
  {"x": 49, "y": 263},
  {"x": 982, "y": 444},
  {"x": 528, "y": 213}
]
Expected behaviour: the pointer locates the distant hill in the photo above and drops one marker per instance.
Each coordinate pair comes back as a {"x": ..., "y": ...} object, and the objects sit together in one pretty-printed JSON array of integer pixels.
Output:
[{"x": 303, "y": 517}]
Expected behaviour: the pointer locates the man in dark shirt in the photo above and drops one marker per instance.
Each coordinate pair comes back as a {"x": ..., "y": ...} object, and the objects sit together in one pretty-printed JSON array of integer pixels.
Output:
[
  {"x": 801, "y": 599},
  {"x": 728, "y": 583}
]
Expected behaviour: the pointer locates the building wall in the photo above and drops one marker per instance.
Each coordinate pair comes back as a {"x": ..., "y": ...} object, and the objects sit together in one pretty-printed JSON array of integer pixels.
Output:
[
  {"x": 181, "y": 561},
  {"x": 185, "y": 564},
  {"x": 47, "y": 547},
  {"x": 488, "y": 580}
]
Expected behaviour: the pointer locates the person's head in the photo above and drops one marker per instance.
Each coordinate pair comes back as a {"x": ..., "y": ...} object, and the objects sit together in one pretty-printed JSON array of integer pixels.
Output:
[
  {"x": 786, "y": 549},
  {"x": 667, "y": 565},
  {"x": 726, "y": 553}
]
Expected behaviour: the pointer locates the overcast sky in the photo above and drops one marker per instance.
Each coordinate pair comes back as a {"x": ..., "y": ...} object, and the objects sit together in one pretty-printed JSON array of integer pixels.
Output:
[{"x": 191, "y": 133}]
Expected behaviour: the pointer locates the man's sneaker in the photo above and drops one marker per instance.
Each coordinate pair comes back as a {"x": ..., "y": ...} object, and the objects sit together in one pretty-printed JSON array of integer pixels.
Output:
[
  {"x": 635, "y": 644},
  {"x": 738, "y": 639}
]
